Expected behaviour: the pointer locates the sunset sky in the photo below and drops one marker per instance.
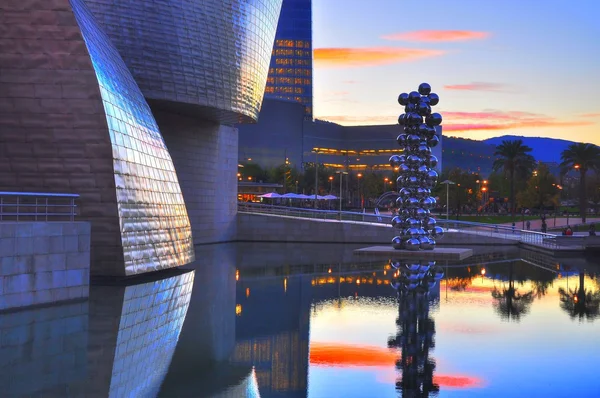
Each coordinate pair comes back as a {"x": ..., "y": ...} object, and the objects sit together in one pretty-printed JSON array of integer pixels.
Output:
[{"x": 510, "y": 67}]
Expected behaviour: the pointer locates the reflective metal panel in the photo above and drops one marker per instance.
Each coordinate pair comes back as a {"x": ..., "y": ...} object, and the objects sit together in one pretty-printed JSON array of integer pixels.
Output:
[
  {"x": 155, "y": 229},
  {"x": 212, "y": 53}
]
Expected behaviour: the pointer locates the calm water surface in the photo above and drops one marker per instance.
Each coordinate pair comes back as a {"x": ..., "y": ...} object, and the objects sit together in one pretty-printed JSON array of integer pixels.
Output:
[{"x": 314, "y": 321}]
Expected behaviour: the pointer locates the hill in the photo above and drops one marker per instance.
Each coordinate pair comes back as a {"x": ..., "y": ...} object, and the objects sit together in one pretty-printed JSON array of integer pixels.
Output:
[
  {"x": 478, "y": 156},
  {"x": 544, "y": 149}
]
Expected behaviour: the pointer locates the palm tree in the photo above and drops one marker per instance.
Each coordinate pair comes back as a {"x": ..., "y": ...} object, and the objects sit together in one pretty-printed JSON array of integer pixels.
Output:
[
  {"x": 514, "y": 159},
  {"x": 582, "y": 157},
  {"x": 580, "y": 302}
]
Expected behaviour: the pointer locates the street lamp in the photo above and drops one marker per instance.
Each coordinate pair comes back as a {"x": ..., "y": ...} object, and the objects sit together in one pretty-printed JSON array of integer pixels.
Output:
[
  {"x": 341, "y": 173},
  {"x": 385, "y": 182},
  {"x": 359, "y": 176},
  {"x": 330, "y": 184},
  {"x": 447, "y": 183},
  {"x": 316, "y": 152}
]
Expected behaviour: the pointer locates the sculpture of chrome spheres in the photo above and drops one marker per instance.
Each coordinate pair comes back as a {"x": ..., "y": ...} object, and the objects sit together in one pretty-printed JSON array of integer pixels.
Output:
[{"x": 417, "y": 229}]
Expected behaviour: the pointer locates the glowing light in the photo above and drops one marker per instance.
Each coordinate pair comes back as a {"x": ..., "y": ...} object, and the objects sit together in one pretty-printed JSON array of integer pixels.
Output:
[
  {"x": 247, "y": 292},
  {"x": 329, "y": 271},
  {"x": 285, "y": 285},
  {"x": 237, "y": 274},
  {"x": 238, "y": 309},
  {"x": 483, "y": 271}
]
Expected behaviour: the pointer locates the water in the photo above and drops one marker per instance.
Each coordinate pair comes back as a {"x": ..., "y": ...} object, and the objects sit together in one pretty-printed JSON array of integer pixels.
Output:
[{"x": 314, "y": 321}]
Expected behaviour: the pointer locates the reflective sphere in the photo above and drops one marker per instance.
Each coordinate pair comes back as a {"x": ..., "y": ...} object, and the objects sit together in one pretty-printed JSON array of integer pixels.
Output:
[
  {"x": 425, "y": 99},
  {"x": 405, "y": 234},
  {"x": 433, "y": 141},
  {"x": 412, "y": 244},
  {"x": 397, "y": 243},
  {"x": 423, "y": 170},
  {"x": 426, "y": 203},
  {"x": 395, "y": 161},
  {"x": 402, "y": 119},
  {"x": 399, "y": 201},
  {"x": 402, "y": 140},
  {"x": 433, "y": 161},
  {"x": 413, "y": 223},
  {"x": 404, "y": 192},
  {"x": 414, "y": 233},
  {"x": 413, "y": 140},
  {"x": 435, "y": 119},
  {"x": 423, "y": 109},
  {"x": 414, "y": 97},
  {"x": 409, "y": 108},
  {"x": 430, "y": 132},
  {"x": 430, "y": 223},
  {"x": 415, "y": 119},
  {"x": 434, "y": 99},
  {"x": 412, "y": 182},
  {"x": 425, "y": 243},
  {"x": 413, "y": 160},
  {"x": 422, "y": 192},
  {"x": 424, "y": 89},
  {"x": 432, "y": 177},
  {"x": 403, "y": 99},
  {"x": 424, "y": 150},
  {"x": 433, "y": 201},
  {"x": 432, "y": 244},
  {"x": 411, "y": 203},
  {"x": 403, "y": 168},
  {"x": 421, "y": 213},
  {"x": 397, "y": 222},
  {"x": 423, "y": 130},
  {"x": 413, "y": 267},
  {"x": 437, "y": 232}
]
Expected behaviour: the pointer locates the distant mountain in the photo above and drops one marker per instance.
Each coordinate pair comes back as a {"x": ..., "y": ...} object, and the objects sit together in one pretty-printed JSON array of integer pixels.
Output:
[
  {"x": 544, "y": 149},
  {"x": 478, "y": 156}
]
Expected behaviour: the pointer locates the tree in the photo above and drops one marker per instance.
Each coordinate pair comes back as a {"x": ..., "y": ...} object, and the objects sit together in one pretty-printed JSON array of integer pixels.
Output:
[
  {"x": 582, "y": 157},
  {"x": 541, "y": 191},
  {"x": 511, "y": 304},
  {"x": 580, "y": 303},
  {"x": 513, "y": 157}
]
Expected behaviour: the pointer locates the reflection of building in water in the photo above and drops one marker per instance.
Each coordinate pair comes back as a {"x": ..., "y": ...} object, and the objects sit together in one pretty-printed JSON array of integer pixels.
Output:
[
  {"x": 133, "y": 333},
  {"x": 272, "y": 332},
  {"x": 43, "y": 350}
]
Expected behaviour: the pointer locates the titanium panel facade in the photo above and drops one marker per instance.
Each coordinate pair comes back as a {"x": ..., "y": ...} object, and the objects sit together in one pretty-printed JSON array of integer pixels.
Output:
[
  {"x": 155, "y": 229},
  {"x": 291, "y": 68},
  {"x": 73, "y": 124},
  {"x": 204, "y": 58}
]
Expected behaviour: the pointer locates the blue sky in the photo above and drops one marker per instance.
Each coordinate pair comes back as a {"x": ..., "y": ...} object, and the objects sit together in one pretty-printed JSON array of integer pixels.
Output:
[{"x": 511, "y": 67}]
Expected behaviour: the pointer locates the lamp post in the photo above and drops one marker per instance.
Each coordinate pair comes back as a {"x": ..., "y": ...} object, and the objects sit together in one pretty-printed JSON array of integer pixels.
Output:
[
  {"x": 448, "y": 183},
  {"x": 359, "y": 176},
  {"x": 385, "y": 182},
  {"x": 341, "y": 173},
  {"x": 330, "y": 184},
  {"x": 316, "y": 152}
]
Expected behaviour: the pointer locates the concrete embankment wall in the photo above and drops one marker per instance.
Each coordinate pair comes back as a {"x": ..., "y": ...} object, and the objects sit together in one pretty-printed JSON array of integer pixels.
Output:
[
  {"x": 268, "y": 228},
  {"x": 43, "y": 262}
]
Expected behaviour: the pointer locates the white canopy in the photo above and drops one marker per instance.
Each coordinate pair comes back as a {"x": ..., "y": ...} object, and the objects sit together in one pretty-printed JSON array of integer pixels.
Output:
[
  {"x": 330, "y": 197},
  {"x": 270, "y": 195}
]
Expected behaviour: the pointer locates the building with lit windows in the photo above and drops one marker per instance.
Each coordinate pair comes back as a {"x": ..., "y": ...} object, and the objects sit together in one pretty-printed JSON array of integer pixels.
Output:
[
  {"x": 282, "y": 134},
  {"x": 290, "y": 71}
]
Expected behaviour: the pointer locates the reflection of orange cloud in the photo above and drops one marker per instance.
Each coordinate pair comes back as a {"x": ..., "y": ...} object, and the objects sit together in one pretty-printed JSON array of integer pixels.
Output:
[
  {"x": 498, "y": 120},
  {"x": 346, "y": 355},
  {"x": 438, "y": 35},
  {"x": 374, "y": 56},
  {"x": 445, "y": 381},
  {"x": 476, "y": 86}
]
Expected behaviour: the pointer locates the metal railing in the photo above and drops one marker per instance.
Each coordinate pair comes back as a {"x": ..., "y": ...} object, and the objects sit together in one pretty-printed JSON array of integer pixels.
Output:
[
  {"x": 37, "y": 206},
  {"x": 300, "y": 212},
  {"x": 532, "y": 238}
]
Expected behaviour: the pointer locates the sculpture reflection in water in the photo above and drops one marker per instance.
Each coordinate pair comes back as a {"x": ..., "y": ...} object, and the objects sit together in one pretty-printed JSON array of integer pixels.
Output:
[
  {"x": 415, "y": 284},
  {"x": 418, "y": 229}
]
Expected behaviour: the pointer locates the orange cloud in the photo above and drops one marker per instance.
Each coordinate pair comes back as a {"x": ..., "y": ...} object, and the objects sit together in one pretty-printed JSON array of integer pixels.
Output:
[
  {"x": 438, "y": 35},
  {"x": 476, "y": 86},
  {"x": 374, "y": 56},
  {"x": 591, "y": 115},
  {"x": 497, "y": 120},
  {"x": 347, "y": 355}
]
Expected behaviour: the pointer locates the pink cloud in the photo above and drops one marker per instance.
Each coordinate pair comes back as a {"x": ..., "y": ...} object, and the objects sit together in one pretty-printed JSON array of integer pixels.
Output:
[
  {"x": 476, "y": 86},
  {"x": 498, "y": 120},
  {"x": 369, "y": 56},
  {"x": 590, "y": 115},
  {"x": 438, "y": 35}
]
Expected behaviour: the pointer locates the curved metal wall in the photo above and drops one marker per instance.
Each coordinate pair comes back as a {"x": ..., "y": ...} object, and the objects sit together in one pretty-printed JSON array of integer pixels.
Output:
[
  {"x": 213, "y": 54},
  {"x": 155, "y": 229}
]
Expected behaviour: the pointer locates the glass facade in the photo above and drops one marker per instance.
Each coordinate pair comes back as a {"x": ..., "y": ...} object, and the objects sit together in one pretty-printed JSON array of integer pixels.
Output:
[
  {"x": 154, "y": 225},
  {"x": 291, "y": 68}
]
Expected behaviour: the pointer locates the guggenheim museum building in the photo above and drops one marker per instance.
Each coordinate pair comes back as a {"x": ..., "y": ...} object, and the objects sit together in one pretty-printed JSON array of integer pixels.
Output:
[{"x": 132, "y": 105}]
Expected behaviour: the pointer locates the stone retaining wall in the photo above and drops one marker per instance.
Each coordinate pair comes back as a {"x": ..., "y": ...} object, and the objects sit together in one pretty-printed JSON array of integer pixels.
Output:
[
  {"x": 268, "y": 228},
  {"x": 43, "y": 262}
]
